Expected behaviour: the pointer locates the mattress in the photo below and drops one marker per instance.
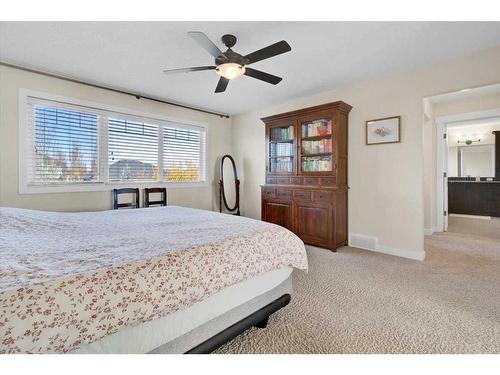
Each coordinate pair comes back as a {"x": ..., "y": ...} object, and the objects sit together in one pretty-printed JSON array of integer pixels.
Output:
[
  {"x": 182, "y": 330},
  {"x": 70, "y": 279}
]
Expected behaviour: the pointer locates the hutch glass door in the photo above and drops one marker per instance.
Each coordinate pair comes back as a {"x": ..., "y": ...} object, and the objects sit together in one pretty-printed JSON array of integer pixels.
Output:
[
  {"x": 316, "y": 148},
  {"x": 281, "y": 149}
]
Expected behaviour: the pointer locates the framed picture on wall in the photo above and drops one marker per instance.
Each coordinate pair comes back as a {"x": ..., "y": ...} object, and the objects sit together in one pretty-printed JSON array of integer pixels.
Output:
[{"x": 383, "y": 130}]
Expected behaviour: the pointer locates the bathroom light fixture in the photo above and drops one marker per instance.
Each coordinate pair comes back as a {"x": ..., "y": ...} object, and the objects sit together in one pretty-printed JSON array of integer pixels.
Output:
[{"x": 469, "y": 141}]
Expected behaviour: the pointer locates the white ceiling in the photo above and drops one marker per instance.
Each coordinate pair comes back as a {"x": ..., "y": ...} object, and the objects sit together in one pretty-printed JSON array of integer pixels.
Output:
[{"x": 325, "y": 55}]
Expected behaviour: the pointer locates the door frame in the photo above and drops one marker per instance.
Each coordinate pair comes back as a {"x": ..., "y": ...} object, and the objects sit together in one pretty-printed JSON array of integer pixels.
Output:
[{"x": 442, "y": 123}]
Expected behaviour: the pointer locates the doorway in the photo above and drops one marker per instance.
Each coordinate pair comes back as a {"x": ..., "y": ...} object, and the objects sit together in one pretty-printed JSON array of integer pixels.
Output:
[
  {"x": 466, "y": 161},
  {"x": 466, "y": 164}
]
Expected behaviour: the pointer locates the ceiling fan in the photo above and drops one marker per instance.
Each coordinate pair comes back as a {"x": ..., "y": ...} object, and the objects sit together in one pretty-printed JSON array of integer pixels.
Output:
[{"x": 230, "y": 64}]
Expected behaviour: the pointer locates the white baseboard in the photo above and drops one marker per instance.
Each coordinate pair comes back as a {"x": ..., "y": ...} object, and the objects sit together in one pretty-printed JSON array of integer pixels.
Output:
[
  {"x": 472, "y": 216},
  {"x": 428, "y": 231},
  {"x": 372, "y": 244},
  {"x": 416, "y": 255}
]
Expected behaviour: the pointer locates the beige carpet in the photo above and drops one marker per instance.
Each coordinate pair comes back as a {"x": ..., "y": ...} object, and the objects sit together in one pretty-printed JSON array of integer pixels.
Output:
[
  {"x": 356, "y": 301},
  {"x": 479, "y": 227}
]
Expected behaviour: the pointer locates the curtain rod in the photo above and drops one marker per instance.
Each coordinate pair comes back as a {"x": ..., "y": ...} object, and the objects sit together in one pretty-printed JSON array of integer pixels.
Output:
[{"x": 137, "y": 96}]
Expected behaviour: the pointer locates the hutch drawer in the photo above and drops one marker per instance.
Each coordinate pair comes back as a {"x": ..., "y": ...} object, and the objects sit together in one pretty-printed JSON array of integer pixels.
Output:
[
  {"x": 322, "y": 196},
  {"x": 268, "y": 193},
  {"x": 284, "y": 194},
  {"x": 303, "y": 195}
]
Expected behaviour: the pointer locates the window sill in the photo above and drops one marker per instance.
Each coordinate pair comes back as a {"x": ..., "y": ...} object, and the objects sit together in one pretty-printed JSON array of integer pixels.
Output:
[{"x": 101, "y": 187}]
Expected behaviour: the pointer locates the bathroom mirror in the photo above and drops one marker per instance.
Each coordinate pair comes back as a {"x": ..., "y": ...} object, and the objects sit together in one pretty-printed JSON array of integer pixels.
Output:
[
  {"x": 471, "y": 161},
  {"x": 478, "y": 161},
  {"x": 229, "y": 186},
  {"x": 472, "y": 148}
]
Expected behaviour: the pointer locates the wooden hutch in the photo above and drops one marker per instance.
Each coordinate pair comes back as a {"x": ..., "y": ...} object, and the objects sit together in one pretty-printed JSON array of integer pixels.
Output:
[{"x": 306, "y": 173}]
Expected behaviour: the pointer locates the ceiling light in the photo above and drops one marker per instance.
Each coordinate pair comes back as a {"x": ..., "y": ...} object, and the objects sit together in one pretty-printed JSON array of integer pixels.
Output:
[{"x": 230, "y": 70}]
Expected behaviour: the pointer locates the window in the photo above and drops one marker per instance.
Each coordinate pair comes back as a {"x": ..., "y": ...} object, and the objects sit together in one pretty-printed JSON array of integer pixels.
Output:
[
  {"x": 68, "y": 145},
  {"x": 183, "y": 151},
  {"x": 64, "y": 145},
  {"x": 133, "y": 151}
]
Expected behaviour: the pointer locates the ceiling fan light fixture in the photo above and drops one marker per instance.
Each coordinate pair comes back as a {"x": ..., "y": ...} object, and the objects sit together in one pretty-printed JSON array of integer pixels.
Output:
[
  {"x": 230, "y": 70},
  {"x": 230, "y": 64}
]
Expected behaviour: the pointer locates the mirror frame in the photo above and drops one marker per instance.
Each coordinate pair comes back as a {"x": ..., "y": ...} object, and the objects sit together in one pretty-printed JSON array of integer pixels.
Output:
[{"x": 222, "y": 196}]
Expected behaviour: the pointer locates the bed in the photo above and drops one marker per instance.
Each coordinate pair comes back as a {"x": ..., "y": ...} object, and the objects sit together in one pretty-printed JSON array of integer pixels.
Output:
[{"x": 154, "y": 280}]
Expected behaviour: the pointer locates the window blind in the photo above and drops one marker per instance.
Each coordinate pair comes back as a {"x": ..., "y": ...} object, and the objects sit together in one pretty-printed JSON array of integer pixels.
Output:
[
  {"x": 132, "y": 150},
  {"x": 63, "y": 144},
  {"x": 184, "y": 150}
]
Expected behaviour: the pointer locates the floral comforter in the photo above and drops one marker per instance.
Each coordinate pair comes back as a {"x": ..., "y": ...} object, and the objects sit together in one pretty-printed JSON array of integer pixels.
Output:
[{"x": 73, "y": 278}]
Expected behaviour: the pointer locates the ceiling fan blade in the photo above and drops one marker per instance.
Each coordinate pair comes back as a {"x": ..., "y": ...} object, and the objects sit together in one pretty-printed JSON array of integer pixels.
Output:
[
  {"x": 269, "y": 51},
  {"x": 221, "y": 86},
  {"x": 187, "y": 70},
  {"x": 205, "y": 42},
  {"x": 266, "y": 77}
]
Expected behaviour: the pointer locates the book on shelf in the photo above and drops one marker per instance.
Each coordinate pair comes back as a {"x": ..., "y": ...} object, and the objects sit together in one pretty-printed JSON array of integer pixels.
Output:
[
  {"x": 282, "y": 134},
  {"x": 317, "y": 128},
  {"x": 316, "y": 164},
  {"x": 322, "y": 146},
  {"x": 282, "y": 165},
  {"x": 281, "y": 149}
]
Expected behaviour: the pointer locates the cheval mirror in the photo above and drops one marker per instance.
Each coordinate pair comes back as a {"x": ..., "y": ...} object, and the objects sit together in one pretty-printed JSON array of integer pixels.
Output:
[{"x": 229, "y": 186}]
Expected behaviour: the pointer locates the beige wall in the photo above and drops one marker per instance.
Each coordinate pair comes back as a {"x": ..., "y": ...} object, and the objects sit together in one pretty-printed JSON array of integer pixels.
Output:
[
  {"x": 386, "y": 199},
  {"x": 219, "y": 143}
]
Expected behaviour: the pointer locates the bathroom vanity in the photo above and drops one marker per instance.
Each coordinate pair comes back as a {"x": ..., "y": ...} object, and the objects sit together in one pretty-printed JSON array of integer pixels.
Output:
[{"x": 474, "y": 197}]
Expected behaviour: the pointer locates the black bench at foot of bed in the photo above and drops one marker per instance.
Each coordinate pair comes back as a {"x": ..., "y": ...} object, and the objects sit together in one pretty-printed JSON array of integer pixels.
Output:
[{"x": 258, "y": 319}]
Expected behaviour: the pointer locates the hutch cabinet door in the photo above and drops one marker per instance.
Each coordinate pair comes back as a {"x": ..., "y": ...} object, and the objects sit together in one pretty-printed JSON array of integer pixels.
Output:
[
  {"x": 314, "y": 224},
  {"x": 278, "y": 213},
  {"x": 281, "y": 148},
  {"x": 317, "y": 144}
]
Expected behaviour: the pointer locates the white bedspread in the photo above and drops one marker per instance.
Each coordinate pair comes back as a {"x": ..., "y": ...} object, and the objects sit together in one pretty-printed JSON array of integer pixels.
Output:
[{"x": 72, "y": 278}]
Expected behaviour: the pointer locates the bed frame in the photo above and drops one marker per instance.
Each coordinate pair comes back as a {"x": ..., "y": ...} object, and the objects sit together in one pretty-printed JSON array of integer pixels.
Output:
[{"x": 258, "y": 319}]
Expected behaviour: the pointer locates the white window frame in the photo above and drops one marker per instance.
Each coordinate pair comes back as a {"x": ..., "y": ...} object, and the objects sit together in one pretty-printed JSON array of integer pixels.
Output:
[{"x": 104, "y": 184}]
